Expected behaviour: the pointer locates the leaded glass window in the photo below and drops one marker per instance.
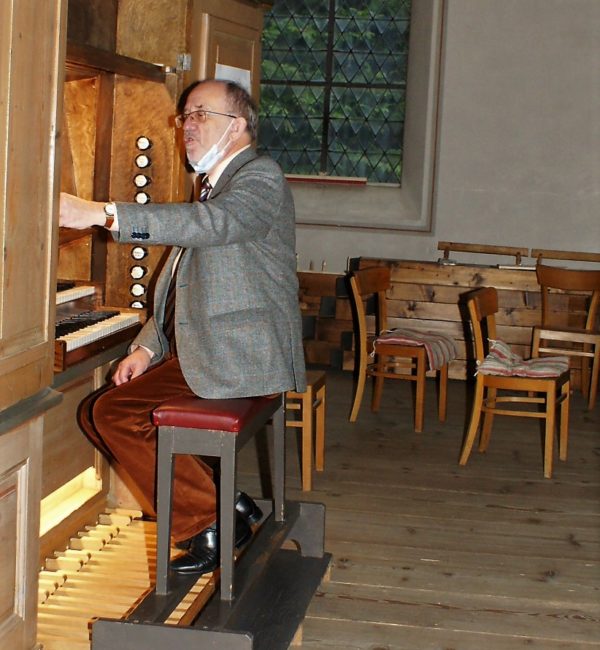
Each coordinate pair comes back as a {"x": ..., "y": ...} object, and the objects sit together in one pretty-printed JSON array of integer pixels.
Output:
[{"x": 333, "y": 87}]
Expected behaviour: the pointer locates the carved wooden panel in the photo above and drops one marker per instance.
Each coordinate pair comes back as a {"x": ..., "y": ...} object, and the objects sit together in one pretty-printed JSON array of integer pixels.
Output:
[{"x": 19, "y": 519}]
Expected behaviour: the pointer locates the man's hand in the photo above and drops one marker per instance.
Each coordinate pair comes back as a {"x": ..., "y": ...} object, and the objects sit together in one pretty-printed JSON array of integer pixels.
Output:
[
  {"x": 132, "y": 366},
  {"x": 79, "y": 213}
]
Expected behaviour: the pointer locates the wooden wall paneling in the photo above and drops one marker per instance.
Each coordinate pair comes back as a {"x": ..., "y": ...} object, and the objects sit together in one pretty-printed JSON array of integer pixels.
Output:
[
  {"x": 140, "y": 108},
  {"x": 432, "y": 296}
]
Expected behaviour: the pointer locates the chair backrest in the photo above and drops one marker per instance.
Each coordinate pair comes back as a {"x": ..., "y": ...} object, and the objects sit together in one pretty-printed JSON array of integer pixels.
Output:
[
  {"x": 580, "y": 280},
  {"x": 483, "y": 306},
  {"x": 364, "y": 284}
]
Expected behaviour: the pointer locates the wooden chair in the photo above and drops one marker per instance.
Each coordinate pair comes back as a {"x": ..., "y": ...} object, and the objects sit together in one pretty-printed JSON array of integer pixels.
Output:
[
  {"x": 547, "y": 391},
  {"x": 309, "y": 406},
  {"x": 373, "y": 283},
  {"x": 549, "y": 338}
]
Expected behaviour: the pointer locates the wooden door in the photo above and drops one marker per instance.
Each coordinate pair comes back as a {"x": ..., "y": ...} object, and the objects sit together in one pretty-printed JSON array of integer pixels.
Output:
[{"x": 226, "y": 32}]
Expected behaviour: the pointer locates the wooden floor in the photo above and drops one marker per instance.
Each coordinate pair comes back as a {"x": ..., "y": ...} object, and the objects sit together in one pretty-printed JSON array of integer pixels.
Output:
[{"x": 428, "y": 555}]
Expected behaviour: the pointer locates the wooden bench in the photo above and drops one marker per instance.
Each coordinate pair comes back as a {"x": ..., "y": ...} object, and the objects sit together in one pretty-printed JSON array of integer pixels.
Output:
[{"x": 265, "y": 604}]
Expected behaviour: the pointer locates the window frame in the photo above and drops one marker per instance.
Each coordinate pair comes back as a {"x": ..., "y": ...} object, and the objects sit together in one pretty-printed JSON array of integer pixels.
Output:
[{"x": 381, "y": 206}]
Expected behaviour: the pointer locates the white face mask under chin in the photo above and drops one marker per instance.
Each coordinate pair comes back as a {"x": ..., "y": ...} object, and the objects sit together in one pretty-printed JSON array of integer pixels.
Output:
[{"x": 211, "y": 157}]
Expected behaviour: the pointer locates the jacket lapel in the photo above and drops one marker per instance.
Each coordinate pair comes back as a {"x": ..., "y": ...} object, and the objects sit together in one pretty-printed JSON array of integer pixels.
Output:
[{"x": 234, "y": 166}]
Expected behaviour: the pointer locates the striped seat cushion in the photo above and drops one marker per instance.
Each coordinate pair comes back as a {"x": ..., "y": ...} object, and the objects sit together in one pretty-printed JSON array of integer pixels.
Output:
[
  {"x": 440, "y": 348},
  {"x": 501, "y": 360}
]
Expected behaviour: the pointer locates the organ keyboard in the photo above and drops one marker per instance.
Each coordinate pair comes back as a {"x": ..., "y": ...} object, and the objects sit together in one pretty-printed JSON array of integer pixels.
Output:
[
  {"x": 84, "y": 329},
  {"x": 71, "y": 292}
]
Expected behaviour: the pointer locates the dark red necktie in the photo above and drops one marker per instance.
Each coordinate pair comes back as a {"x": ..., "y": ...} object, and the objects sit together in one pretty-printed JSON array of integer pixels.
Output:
[{"x": 169, "y": 319}]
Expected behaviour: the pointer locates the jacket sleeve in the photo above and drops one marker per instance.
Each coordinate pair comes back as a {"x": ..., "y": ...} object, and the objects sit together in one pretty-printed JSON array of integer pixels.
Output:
[{"x": 244, "y": 211}]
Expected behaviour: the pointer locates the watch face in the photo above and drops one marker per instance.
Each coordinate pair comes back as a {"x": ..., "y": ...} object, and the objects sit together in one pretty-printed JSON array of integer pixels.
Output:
[{"x": 109, "y": 209}]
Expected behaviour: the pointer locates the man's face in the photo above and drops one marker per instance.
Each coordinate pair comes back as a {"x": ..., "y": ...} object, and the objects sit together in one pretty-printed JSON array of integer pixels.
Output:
[{"x": 199, "y": 137}]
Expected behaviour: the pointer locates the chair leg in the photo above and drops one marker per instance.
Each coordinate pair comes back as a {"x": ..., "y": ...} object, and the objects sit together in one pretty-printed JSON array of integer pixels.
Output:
[
  {"x": 594, "y": 378},
  {"x": 320, "y": 432},
  {"x": 564, "y": 420},
  {"x": 443, "y": 397},
  {"x": 420, "y": 397},
  {"x": 488, "y": 419},
  {"x": 360, "y": 388},
  {"x": 549, "y": 433},
  {"x": 307, "y": 439},
  {"x": 378, "y": 384},
  {"x": 474, "y": 423},
  {"x": 585, "y": 373}
]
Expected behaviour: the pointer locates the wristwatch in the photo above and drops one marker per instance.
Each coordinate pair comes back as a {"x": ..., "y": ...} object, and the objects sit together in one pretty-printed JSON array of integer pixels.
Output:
[{"x": 110, "y": 210}]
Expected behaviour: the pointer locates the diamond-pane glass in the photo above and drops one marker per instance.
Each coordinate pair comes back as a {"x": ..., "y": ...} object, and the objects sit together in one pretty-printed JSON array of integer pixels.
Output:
[{"x": 333, "y": 86}]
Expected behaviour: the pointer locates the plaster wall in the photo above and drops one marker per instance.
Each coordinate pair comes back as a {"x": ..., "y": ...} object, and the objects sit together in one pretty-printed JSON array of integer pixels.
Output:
[{"x": 516, "y": 156}]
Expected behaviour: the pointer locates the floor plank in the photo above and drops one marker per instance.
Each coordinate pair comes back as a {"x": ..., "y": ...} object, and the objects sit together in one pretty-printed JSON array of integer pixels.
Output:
[{"x": 428, "y": 555}]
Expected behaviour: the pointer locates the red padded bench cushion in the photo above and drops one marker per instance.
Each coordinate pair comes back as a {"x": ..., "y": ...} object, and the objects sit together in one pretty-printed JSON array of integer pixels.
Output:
[{"x": 215, "y": 414}]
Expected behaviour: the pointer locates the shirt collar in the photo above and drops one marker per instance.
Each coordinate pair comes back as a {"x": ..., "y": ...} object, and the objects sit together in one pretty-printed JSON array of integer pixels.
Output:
[{"x": 215, "y": 174}]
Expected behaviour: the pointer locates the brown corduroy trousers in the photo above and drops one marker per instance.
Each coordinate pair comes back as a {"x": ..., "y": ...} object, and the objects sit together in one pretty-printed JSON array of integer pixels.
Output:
[{"x": 118, "y": 421}]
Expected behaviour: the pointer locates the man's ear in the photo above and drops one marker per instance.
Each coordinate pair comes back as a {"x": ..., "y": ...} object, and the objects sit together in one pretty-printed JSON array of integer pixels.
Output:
[{"x": 238, "y": 128}]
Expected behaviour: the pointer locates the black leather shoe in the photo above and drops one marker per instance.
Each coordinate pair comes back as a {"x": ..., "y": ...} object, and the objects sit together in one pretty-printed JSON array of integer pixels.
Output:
[
  {"x": 203, "y": 549},
  {"x": 248, "y": 509}
]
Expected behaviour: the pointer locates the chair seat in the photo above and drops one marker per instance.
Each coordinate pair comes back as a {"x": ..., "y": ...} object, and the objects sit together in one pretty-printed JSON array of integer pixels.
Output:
[
  {"x": 214, "y": 414},
  {"x": 502, "y": 361},
  {"x": 440, "y": 348}
]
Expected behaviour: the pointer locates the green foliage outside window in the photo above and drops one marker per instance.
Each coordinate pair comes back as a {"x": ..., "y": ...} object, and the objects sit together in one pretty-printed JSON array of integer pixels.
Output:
[{"x": 333, "y": 87}]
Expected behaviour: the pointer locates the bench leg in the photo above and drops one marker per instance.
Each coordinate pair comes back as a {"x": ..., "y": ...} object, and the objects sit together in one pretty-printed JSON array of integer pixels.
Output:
[
  {"x": 164, "y": 481},
  {"x": 227, "y": 491},
  {"x": 278, "y": 424}
]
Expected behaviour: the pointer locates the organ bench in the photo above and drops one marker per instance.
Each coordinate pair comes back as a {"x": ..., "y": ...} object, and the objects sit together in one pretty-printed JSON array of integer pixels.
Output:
[{"x": 273, "y": 585}]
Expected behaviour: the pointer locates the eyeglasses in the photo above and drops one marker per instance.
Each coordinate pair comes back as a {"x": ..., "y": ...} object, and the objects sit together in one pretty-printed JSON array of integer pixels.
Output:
[{"x": 198, "y": 117}]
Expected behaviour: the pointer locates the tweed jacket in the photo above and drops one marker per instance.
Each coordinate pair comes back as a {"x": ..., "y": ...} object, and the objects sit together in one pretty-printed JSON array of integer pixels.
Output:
[{"x": 237, "y": 319}]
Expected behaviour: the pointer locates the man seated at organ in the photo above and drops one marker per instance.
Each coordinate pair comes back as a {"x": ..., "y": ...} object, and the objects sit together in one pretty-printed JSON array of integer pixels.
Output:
[{"x": 226, "y": 320}]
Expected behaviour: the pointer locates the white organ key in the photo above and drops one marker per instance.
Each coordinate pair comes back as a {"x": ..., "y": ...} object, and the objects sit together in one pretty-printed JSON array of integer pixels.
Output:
[
  {"x": 74, "y": 293},
  {"x": 99, "y": 330}
]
